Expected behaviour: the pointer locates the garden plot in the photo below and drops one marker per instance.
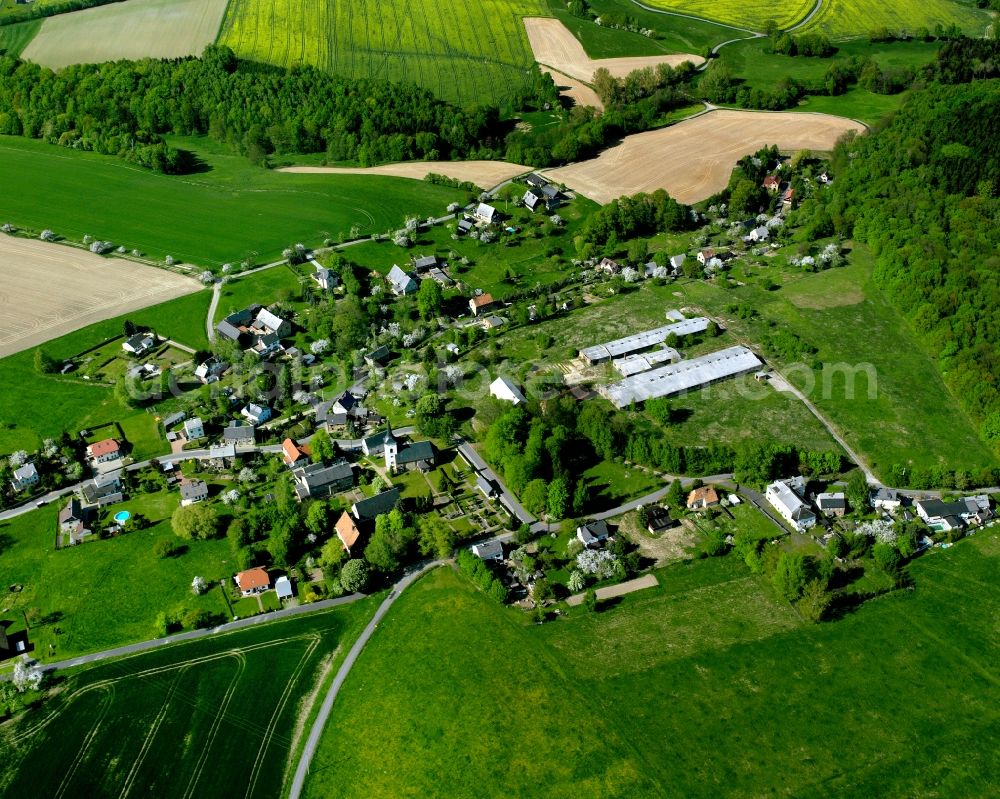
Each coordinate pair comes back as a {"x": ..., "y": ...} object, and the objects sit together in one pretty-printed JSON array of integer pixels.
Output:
[
  {"x": 133, "y": 30},
  {"x": 50, "y": 290},
  {"x": 693, "y": 159}
]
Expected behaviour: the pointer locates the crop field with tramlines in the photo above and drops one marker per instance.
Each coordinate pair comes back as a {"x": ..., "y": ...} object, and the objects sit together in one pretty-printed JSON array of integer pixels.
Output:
[
  {"x": 752, "y": 14},
  {"x": 838, "y": 18},
  {"x": 469, "y": 53},
  {"x": 220, "y": 716}
]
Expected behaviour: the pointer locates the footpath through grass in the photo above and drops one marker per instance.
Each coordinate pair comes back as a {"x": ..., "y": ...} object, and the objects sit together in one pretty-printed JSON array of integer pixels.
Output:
[
  {"x": 219, "y": 716},
  {"x": 228, "y": 212},
  {"x": 706, "y": 686}
]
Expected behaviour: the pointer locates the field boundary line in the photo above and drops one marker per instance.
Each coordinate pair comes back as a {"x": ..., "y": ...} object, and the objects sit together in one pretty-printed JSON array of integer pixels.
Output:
[
  {"x": 154, "y": 728},
  {"x": 85, "y": 744},
  {"x": 214, "y": 729},
  {"x": 278, "y": 710}
]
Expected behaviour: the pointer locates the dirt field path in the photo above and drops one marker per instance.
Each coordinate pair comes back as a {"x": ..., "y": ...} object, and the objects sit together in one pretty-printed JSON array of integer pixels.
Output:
[
  {"x": 554, "y": 46},
  {"x": 484, "y": 174},
  {"x": 49, "y": 290},
  {"x": 609, "y": 591},
  {"x": 136, "y": 29},
  {"x": 693, "y": 159}
]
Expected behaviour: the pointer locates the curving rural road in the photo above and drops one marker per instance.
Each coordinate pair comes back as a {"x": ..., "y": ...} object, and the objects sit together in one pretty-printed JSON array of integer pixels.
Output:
[{"x": 309, "y": 750}]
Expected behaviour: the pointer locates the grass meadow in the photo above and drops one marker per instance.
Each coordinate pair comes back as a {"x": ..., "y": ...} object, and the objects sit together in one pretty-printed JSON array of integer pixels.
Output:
[
  {"x": 14, "y": 38},
  {"x": 469, "y": 53},
  {"x": 222, "y": 715},
  {"x": 705, "y": 686},
  {"x": 229, "y": 211},
  {"x": 105, "y": 592}
]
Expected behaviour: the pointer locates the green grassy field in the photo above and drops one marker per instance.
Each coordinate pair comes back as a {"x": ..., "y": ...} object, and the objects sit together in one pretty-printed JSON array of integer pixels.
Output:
[
  {"x": 752, "y": 15},
  {"x": 468, "y": 53},
  {"x": 207, "y": 718},
  {"x": 104, "y": 593},
  {"x": 46, "y": 405},
  {"x": 14, "y": 38},
  {"x": 279, "y": 283},
  {"x": 839, "y": 18},
  {"x": 705, "y": 686},
  {"x": 761, "y": 69},
  {"x": 676, "y": 34},
  {"x": 213, "y": 217}
]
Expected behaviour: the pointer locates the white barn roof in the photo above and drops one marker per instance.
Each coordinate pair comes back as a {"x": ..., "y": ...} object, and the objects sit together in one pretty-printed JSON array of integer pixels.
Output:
[
  {"x": 634, "y": 364},
  {"x": 503, "y": 389},
  {"x": 643, "y": 341},
  {"x": 682, "y": 376}
]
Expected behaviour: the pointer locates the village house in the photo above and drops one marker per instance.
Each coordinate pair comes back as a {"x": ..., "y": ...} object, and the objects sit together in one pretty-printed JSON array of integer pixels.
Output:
[
  {"x": 886, "y": 499},
  {"x": 222, "y": 456},
  {"x": 104, "y": 451},
  {"x": 491, "y": 551},
  {"x": 503, "y": 389},
  {"x": 193, "y": 491},
  {"x": 400, "y": 282},
  {"x": 424, "y": 262},
  {"x": 235, "y": 327},
  {"x": 72, "y": 515},
  {"x": 706, "y": 255},
  {"x": 378, "y": 356},
  {"x": 493, "y": 322},
  {"x": 325, "y": 279},
  {"x": 211, "y": 371},
  {"x": 464, "y": 226},
  {"x": 787, "y": 199},
  {"x": 347, "y": 531},
  {"x": 609, "y": 267},
  {"x": 486, "y": 214},
  {"x": 105, "y": 489},
  {"x": 533, "y": 199},
  {"x": 702, "y": 498},
  {"x": 291, "y": 454},
  {"x": 942, "y": 516},
  {"x": 138, "y": 344},
  {"x": 269, "y": 324},
  {"x": 256, "y": 414},
  {"x": 25, "y": 477},
  {"x": 786, "y": 497},
  {"x": 316, "y": 480},
  {"x": 658, "y": 519},
  {"x": 173, "y": 419},
  {"x": 241, "y": 436},
  {"x": 486, "y": 486},
  {"x": 194, "y": 429},
  {"x": 832, "y": 504},
  {"x": 759, "y": 234},
  {"x": 593, "y": 534},
  {"x": 772, "y": 184},
  {"x": 481, "y": 304},
  {"x": 252, "y": 581}
]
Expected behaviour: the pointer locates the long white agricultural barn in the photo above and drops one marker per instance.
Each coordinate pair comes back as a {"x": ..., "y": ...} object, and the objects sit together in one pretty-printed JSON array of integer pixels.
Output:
[
  {"x": 633, "y": 364},
  {"x": 643, "y": 341},
  {"x": 683, "y": 376}
]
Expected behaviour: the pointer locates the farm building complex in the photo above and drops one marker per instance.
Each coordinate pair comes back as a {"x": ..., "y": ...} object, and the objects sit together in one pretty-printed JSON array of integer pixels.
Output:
[
  {"x": 683, "y": 376},
  {"x": 642, "y": 341}
]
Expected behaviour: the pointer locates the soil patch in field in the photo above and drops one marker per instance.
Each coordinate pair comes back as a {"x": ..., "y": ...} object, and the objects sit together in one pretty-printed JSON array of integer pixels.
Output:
[
  {"x": 485, "y": 174},
  {"x": 576, "y": 90},
  {"x": 133, "y": 30},
  {"x": 554, "y": 46},
  {"x": 50, "y": 290},
  {"x": 693, "y": 159}
]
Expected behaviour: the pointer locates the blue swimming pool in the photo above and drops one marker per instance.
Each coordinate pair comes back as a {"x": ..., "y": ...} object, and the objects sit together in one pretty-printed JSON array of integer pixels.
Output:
[{"x": 122, "y": 516}]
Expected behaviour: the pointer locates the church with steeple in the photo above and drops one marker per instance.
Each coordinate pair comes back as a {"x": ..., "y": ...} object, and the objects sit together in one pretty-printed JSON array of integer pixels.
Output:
[{"x": 399, "y": 455}]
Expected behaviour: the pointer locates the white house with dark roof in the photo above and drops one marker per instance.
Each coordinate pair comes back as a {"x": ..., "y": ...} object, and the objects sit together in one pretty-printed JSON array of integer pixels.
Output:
[
  {"x": 593, "y": 534},
  {"x": 239, "y": 435},
  {"x": 138, "y": 344},
  {"x": 25, "y": 477},
  {"x": 486, "y": 214},
  {"x": 785, "y": 497},
  {"x": 269, "y": 323},
  {"x": 256, "y": 414},
  {"x": 491, "y": 550},
  {"x": 401, "y": 282},
  {"x": 832, "y": 503},
  {"x": 194, "y": 429},
  {"x": 193, "y": 491}
]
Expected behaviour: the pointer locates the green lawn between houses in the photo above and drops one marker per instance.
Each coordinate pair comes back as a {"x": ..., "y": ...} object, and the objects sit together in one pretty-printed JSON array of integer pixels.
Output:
[
  {"x": 221, "y": 714},
  {"x": 705, "y": 686},
  {"x": 220, "y": 215},
  {"x": 104, "y": 593}
]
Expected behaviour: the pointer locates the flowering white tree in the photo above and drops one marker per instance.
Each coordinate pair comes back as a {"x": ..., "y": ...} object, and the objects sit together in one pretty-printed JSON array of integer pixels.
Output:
[
  {"x": 136, "y": 253},
  {"x": 169, "y": 260},
  {"x": 206, "y": 277},
  {"x": 8, "y": 228},
  {"x": 50, "y": 448},
  {"x": 198, "y": 586},
  {"x": 17, "y": 459},
  {"x": 27, "y": 678},
  {"x": 453, "y": 207},
  {"x": 246, "y": 475},
  {"x": 599, "y": 562},
  {"x": 881, "y": 530},
  {"x": 630, "y": 275},
  {"x": 576, "y": 582},
  {"x": 411, "y": 224},
  {"x": 231, "y": 497},
  {"x": 320, "y": 346},
  {"x": 47, "y": 235}
]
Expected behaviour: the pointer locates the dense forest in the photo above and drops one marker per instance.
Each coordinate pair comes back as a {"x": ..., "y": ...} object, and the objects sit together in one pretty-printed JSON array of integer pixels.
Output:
[
  {"x": 924, "y": 194},
  {"x": 126, "y": 107}
]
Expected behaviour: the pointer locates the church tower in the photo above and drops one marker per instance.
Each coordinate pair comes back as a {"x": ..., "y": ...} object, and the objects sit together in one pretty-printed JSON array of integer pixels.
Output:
[{"x": 391, "y": 450}]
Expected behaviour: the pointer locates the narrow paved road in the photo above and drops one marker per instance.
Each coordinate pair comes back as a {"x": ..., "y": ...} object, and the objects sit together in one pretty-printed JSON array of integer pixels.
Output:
[
  {"x": 309, "y": 750},
  {"x": 808, "y": 18},
  {"x": 143, "y": 646}
]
